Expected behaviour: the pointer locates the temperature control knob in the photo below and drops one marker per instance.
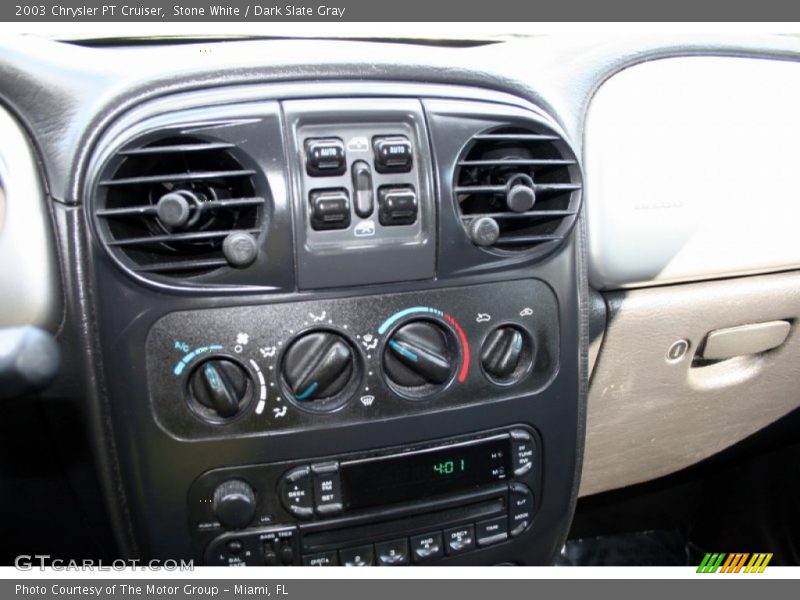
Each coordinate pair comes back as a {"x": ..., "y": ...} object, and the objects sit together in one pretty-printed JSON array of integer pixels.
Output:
[
  {"x": 318, "y": 365},
  {"x": 234, "y": 504},
  {"x": 504, "y": 353},
  {"x": 220, "y": 386},
  {"x": 419, "y": 353}
]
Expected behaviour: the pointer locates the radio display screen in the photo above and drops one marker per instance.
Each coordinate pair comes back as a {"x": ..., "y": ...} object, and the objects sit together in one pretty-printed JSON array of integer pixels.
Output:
[{"x": 419, "y": 475}]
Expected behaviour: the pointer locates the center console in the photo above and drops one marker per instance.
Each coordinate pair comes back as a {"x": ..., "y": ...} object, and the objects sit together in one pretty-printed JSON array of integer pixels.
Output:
[{"x": 341, "y": 324}]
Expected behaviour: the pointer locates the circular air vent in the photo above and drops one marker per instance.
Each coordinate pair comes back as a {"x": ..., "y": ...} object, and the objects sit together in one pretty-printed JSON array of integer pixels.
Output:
[
  {"x": 179, "y": 207},
  {"x": 517, "y": 189}
]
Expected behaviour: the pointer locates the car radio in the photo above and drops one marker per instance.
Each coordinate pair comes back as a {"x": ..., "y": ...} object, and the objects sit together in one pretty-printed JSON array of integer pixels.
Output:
[{"x": 414, "y": 504}]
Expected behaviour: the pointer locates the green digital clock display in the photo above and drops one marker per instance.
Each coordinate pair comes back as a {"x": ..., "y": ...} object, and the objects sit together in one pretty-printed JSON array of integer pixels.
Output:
[
  {"x": 413, "y": 475},
  {"x": 450, "y": 467}
]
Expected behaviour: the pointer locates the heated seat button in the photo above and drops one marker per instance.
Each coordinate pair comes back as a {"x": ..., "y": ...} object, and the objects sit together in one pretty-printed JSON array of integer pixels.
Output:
[
  {"x": 327, "y": 489},
  {"x": 330, "y": 209},
  {"x": 459, "y": 539},
  {"x": 393, "y": 154},
  {"x": 323, "y": 559},
  {"x": 295, "y": 492},
  {"x": 362, "y": 556},
  {"x": 492, "y": 531},
  {"x": 394, "y": 552},
  {"x": 520, "y": 508},
  {"x": 397, "y": 205},
  {"x": 325, "y": 157},
  {"x": 427, "y": 546}
]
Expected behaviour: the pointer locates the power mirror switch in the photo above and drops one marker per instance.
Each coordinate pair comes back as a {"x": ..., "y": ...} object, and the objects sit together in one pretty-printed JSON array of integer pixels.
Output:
[
  {"x": 393, "y": 154},
  {"x": 325, "y": 157},
  {"x": 330, "y": 209}
]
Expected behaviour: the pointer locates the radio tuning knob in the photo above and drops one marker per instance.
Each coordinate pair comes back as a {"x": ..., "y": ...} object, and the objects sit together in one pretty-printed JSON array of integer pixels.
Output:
[
  {"x": 221, "y": 386},
  {"x": 318, "y": 365},
  {"x": 417, "y": 354},
  {"x": 234, "y": 504}
]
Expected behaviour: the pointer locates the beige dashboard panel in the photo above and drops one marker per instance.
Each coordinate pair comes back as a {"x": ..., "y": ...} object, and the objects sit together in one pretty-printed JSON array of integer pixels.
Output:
[
  {"x": 692, "y": 171},
  {"x": 650, "y": 414}
]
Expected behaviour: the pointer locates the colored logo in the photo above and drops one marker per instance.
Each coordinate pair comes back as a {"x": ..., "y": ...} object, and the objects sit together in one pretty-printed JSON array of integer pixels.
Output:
[{"x": 734, "y": 563}]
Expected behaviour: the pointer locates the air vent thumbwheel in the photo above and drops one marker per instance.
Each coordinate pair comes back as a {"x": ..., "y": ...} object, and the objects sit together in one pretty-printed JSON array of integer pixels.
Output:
[
  {"x": 180, "y": 207},
  {"x": 518, "y": 189}
]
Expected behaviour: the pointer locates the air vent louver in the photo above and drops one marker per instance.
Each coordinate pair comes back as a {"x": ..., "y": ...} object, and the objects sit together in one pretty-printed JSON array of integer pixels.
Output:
[
  {"x": 165, "y": 208},
  {"x": 517, "y": 189}
]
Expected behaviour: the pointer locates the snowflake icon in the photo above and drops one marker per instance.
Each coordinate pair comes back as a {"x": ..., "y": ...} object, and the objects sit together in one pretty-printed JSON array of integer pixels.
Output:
[{"x": 242, "y": 339}]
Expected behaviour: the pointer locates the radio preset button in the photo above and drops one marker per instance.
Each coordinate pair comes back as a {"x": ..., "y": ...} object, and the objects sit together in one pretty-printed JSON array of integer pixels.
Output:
[
  {"x": 426, "y": 546},
  {"x": 361, "y": 556},
  {"x": 394, "y": 552},
  {"x": 296, "y": 494},
  {"x": 522, "y": 451},
  {"x": 327, "y": 489},
  {"x": 520, "y": 504},
  {"x": 459, "y": 539},
  {"x": 323, "y": 559}
]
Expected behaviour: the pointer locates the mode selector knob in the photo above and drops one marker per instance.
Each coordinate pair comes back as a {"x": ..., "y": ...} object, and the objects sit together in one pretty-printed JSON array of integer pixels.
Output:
[
  {"x": 318, "y": 367},
  {"x": 234, "y": 504},
  {"x": 419, "y": 354}
]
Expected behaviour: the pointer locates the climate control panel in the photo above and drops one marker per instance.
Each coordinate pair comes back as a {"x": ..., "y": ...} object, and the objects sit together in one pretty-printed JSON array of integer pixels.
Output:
[{"x": 218, "y": 372}]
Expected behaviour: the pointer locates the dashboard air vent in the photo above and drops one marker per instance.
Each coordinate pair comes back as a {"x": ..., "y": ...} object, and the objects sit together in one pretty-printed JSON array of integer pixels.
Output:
[
  {"x": 517, "y": 189},
  {"x": 180, "y": 206}
]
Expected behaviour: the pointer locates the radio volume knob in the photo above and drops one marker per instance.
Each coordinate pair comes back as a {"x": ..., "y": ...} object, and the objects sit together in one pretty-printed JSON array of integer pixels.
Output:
[{"x": 234, "y": 504}]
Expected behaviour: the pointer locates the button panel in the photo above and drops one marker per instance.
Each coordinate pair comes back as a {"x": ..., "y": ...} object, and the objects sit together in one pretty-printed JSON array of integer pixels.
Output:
[
  {"x": 522, "y": 451},
  {"x": 316, "y": 494},
  {"x": 295, "y": 492},
  {"x": 279, "y": 546},
  {"x": 330, "y": 209},
  {"x": 427, "y": 546},
  {"x": 322, "y": 559},
  {"x": 327, "y": 489},
  {"x": 325, "y": 157},
  {"x": 460, "y": 539},
  {"x": 392, "y": 553},
  {"x": 520, "y": 508},
  {"x": 397, "y": 205},
  {"x": 358, "y": 148},
  {"x": 361, "y": 556},
  {"x": 393, "y": 154},
  {"x": 492, "y": 531}
]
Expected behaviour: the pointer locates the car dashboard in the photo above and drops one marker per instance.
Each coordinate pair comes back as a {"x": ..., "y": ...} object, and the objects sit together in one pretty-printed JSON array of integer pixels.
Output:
[{"x": 329, "y": 302}]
